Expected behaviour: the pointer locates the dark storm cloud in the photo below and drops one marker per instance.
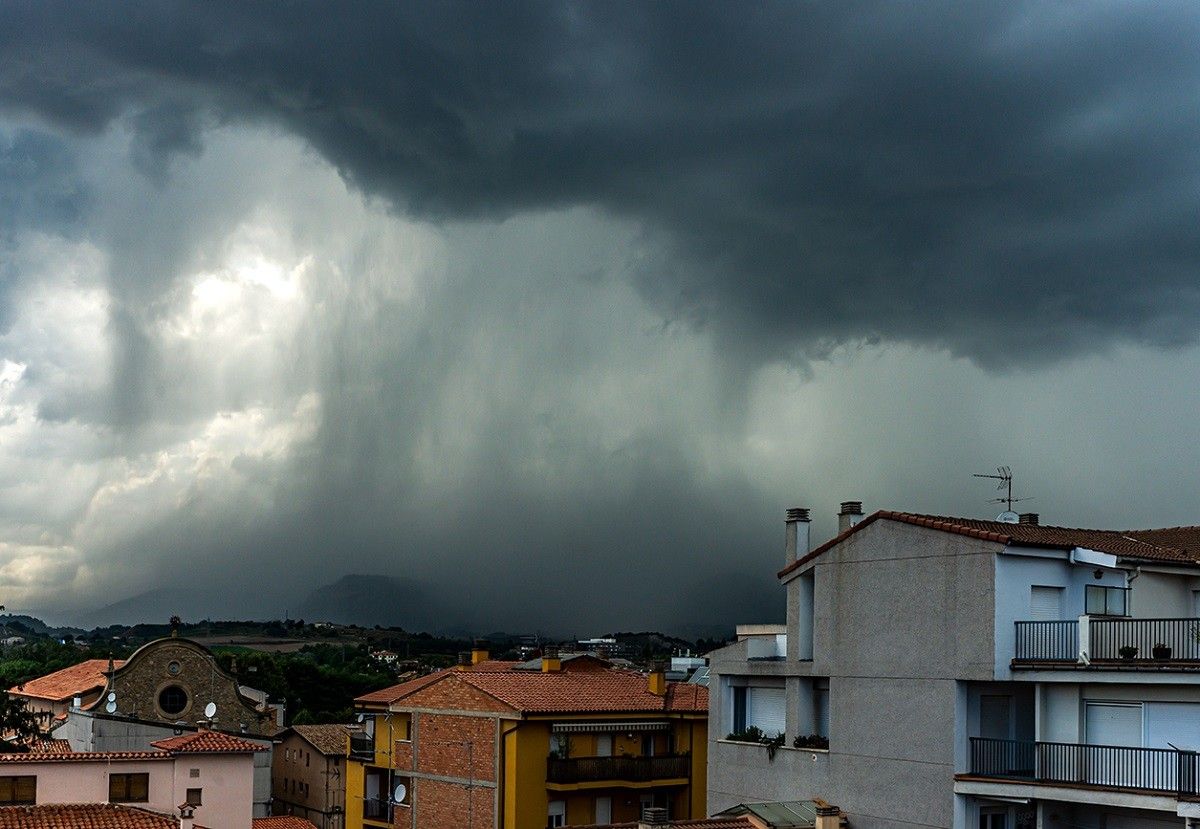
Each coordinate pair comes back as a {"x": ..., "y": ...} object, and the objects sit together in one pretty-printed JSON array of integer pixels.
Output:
[{"x": 1012, "y": 181}]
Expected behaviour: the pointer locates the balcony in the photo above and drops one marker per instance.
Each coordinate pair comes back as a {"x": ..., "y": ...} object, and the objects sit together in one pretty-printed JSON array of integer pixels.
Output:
[
  {"x": 377, "y": 809},
  {"x": 1152, "y": 770},
  {"x": 362, "y": 748},
  {"x": 1110, "y": 642},
  {"x": 617, "y": 769}
]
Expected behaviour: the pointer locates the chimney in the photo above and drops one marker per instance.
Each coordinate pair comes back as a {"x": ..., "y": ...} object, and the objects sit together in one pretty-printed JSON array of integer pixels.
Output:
[
  {"x": 479, "y": 653},
  {"x": 849, "y": 515},
  {"x": 187, "y": 814},
  {"x": 551, "y": 663},
  {"x": 828, "y": 817},
  {"x": 657, "y": 679},
  {"x": 464, "y": 660},
  {"x": 796, "y": 534},
  {"x": 653, "y": 817},
  {"x": 1030, "y": 518}
]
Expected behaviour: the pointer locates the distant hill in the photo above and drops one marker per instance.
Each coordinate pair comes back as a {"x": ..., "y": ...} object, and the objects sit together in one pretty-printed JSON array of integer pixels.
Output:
[
  {"x": 158, "y": 606},
  {"x": 365, "y": 599}
]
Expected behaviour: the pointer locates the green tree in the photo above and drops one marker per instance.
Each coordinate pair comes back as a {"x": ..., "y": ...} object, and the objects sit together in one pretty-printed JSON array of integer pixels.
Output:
[{"x": 17, "y": 724}]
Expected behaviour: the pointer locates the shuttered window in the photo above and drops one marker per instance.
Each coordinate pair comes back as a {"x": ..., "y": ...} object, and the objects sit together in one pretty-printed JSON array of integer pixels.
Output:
[
  {"x": 766, "y": 710},
  {"x": 18, "y": 790},
  {"x": 1045, "y": 603},
  {"x": 128, "y": 788}
]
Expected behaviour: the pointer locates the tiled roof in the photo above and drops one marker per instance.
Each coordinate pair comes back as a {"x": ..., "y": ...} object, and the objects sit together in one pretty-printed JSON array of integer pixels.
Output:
[
  {"x": 69, "y": 682},
  {"x": 495, "y": 665},
  {"x": 281, "y": 822},
  {"x": 82, "y": 756},
  {"x": 207, "y": 742},
  {"x": 394, "y": 692},
  {"x": 327, "y": 738},
  {"x": 608, "y": 691},
  {"x": 1171, "y": 544},
  {"x": 83, "y": 816},
  {"x": 49, "y": 746},
  {"x": 699, "y": 823}
]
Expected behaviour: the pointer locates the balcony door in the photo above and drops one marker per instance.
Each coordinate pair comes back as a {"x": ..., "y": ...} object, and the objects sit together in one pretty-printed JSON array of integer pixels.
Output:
[
  {"x": 1112, "y": 724},
  {"x": 603, "y": 745}
]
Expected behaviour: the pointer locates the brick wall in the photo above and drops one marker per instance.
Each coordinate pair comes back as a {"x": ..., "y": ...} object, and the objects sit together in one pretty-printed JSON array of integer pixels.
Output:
[
  {"x": 442, "y": 805},
  {"x": 456, "y": 746}
]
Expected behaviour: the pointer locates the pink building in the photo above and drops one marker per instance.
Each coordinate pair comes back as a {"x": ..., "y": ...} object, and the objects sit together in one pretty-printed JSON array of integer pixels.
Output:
[{"x": 211, "y": 771}]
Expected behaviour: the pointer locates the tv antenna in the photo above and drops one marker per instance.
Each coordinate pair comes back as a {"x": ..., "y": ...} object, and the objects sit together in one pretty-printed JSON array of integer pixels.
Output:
[{"x": 1004, "y": 476}]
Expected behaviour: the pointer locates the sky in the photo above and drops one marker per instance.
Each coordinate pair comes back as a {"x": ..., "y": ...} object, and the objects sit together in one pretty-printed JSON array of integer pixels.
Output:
[{"x": 551, "y": 310}]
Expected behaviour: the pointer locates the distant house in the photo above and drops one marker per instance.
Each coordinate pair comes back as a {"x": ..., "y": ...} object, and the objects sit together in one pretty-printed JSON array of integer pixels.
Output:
[
  {"x": 48, "y": 697},
  {"x": 308, "y": 774},
  {"x": 210, "y": 772}
]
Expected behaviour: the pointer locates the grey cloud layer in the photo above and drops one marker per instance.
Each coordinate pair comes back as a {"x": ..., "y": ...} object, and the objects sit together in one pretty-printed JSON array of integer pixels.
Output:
[{"x": 1012, "y": 182}]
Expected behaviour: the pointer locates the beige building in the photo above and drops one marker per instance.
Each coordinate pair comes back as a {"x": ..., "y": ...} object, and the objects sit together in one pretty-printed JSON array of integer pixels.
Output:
[{"x": 308, "y": 774}]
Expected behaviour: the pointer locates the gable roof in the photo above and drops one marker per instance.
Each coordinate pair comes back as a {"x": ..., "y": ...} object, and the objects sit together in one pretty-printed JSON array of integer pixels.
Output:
[
  {"x": 696, "y": 823},
  {"x": 1177, "y": 545},
  {"x": 281, "y": 822},
  {"x": 83, "y": 816},
  {"x": 89, "y": 675},
  {"x": 207, "y": 742},
  {"x": 327, "y": 738},
  {"x": 81, "y": 756}
]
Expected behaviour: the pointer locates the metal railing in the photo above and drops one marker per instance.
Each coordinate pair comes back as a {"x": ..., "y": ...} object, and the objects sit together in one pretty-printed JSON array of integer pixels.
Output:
[
  {"x": 1047, "y": 640},
  {"x": 1110, "y": 639},
  {"x": 377, "y": 809},
  {"x": 630, "y": 769},
  {"x": 362, "y": 747},
  {"x": 1119, "y": 767}
]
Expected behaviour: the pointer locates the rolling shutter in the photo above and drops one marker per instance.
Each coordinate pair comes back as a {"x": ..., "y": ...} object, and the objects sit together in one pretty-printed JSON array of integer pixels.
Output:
[
  {"x": 766, "y": 710},
  {"x": 1045, "y": 603}
]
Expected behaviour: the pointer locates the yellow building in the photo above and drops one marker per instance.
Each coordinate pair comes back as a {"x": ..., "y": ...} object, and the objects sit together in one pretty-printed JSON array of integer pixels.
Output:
[{"x": 497, "y": 745}]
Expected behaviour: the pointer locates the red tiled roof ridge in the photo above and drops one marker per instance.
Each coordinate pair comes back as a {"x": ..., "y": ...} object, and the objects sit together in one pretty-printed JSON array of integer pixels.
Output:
[
  {"x": 1039, "y": 535},
  {"x": 83, "y": 816},
  {"x": 67, "y": 682},
  {"x": 207, "y": 742},
  {"x": 81, "y": 756}
]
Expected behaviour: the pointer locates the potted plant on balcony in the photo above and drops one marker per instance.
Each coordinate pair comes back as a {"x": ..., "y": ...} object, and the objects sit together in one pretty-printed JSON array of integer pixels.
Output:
[
  {"x": 811, "y": 741},
  {"x": 1127, "y": 651},
  {"x": 773, "y": 744},
  {"x": 1161, "y": 650}
]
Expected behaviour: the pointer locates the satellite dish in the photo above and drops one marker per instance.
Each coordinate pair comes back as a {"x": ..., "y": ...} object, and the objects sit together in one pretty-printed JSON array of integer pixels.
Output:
[
  {"x": 361, "y": 717},
  {"x": 400, "y": 793},
  {"x": 111, "y": 707},
  {"x": 112, "y": 696},
  {"x": 210, "y": 710},
  {"x": 1008, "y": 517}
]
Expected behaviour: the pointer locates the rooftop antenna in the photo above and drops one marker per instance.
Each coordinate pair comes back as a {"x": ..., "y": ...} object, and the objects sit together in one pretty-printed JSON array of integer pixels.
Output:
[{"x": 1004, "y": 476}]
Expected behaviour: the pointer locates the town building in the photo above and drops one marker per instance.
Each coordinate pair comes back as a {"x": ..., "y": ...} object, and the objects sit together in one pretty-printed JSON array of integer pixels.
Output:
[
  {"x": 497, "y": 745},
  {"x": 209, "y": 772},
  {"x": 971, "y": 673},
  {"x": 48, "y": 697},
  {"x": 308, "y": 774},
  {"x": 168, "y": 688}
]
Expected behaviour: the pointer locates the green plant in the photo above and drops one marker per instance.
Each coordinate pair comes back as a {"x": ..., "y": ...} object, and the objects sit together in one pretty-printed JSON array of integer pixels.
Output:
[
  {"x": 811, "y": 741},
  {"x": 751, "y": 734},
  {"x": 1127, "y": 651},
  {"x": 773, "y": 744}
]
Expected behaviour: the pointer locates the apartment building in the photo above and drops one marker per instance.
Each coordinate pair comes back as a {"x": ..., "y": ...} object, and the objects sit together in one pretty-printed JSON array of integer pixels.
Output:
[
  {"x": 971, "y": 673},
  {"x": 49, "y": 697},
  {"x": 308, "y": 773},
  {"x": 498, "y": 745}
]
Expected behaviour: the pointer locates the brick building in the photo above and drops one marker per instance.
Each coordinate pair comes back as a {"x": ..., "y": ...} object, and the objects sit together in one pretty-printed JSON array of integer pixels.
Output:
[
  {"x": 495, "y": 746},
  {"x": 308, "y": 774}
]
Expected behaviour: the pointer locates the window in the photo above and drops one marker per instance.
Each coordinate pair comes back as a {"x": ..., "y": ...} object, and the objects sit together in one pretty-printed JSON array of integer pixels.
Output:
[
  {"x": 993, "y": 819},
  {"x": 307, "y": 755},
  {"x": 193, "y": 772},
  {"x": 821, "y": 704},
  {"x": 1106, "y": 601},
  {"x": 1045, "y": 603},
  {"x": 128, "y": 788},
  {"x": 559, "y": 745},
  {"x": 172, "y": 700},
  {"x": 557, "y": 815},
  {"x": 766, "y": 710},
  {"x": 739, "y": 709},
  {"x": 194, "y": 797},
  {"x": 18, "y": 791},
  {"x": 995, "y": 716}
]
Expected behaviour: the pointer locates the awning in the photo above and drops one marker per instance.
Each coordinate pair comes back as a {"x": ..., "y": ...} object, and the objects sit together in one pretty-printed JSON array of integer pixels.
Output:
[{"x": 609, "y": 725}]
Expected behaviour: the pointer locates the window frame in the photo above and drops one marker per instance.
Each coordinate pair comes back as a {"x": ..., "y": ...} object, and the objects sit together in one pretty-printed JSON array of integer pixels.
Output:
[
  {"x": 1108, "y": 591},
  {"x": 128, "y": 778},
  {"x": 12, "y": 781}
]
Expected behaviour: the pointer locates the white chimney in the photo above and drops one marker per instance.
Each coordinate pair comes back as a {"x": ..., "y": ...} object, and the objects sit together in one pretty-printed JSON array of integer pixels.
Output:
[
  {"x": 796, "y": 537},
  {"x": 849, "y": 515},
  {"x": 653, "y": 817},
  {"x": 187, "y": 813},
  {"x": 828, "y": 817}
]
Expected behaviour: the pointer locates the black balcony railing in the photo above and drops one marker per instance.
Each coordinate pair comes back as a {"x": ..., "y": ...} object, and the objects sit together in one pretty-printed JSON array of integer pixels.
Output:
[
  {"x": 377, "y": 809},
  {"x": 629, "y": 769},
  {"x": 1118, "y": 767},
  {"x": 1110, "y": 639},
  {"x": 362, "y": 747}
]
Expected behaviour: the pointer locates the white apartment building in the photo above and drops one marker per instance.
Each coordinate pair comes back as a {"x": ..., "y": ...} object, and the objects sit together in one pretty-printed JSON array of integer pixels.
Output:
[{"x": 971, "y": 673}]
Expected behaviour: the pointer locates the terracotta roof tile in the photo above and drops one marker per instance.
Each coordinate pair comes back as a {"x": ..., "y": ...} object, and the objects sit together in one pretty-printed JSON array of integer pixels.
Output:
[
  {"x": 392, "y": 693},
  {"x": 282, "y": 822},
  {"x": 327, "y": 738},
  {"x": 69, "y": 682},
  {"x": 699, "y": 823},
  {"x": 50, "y": 746},
  {"x": 81, "y": 756},
  {"x": 83, "y": 816},
  {"x": 207, "y": 742},
  {"x": 1171, "y": 544},
  {"x": 614, "y": 691}
]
